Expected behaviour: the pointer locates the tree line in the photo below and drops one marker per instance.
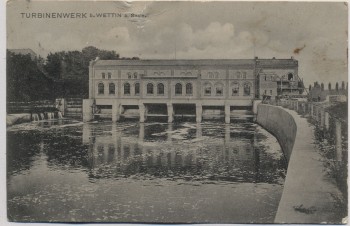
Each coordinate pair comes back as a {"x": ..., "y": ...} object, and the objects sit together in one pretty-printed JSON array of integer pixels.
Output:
[{"x": 60, "y": 74}]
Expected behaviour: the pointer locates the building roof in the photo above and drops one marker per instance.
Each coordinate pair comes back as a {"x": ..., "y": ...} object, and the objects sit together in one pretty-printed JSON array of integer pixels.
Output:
[{"x": 197, "y": 62}]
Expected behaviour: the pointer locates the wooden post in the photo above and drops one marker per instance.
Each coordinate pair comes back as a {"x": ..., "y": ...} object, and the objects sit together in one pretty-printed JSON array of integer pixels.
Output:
[
  {"x": 87, "y": 110},
  {"x": 199, "y": 111},
  {"x": 338, "y": 145},
  {"x": 170, "y": 112},
  {"x": 142, "y": 112},
  {"x": 227, "y": 113},
  {"x": 326, "y": 120}
]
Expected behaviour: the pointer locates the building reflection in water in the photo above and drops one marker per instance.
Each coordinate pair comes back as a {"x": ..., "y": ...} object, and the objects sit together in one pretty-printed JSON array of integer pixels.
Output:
[{"x": 199, "y": 151}]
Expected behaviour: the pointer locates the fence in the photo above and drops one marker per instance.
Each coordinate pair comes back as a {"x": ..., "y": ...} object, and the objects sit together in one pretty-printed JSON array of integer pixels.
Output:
[
  {"x": 30, "y": 107},
  {"x": 329, "y": 125},
  {"x": 69, "y": 107}
]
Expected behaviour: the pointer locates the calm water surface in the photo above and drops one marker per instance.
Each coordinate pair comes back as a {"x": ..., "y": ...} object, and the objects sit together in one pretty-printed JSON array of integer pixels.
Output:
[{"x": 66, "y": 170}]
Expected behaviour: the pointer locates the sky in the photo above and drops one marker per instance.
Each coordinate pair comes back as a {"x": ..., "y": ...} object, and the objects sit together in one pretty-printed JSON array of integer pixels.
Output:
[{"x": 313, "y": 33}]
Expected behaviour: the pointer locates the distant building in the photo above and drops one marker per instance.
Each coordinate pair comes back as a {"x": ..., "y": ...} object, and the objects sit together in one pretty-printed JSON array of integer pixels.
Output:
[
  {"x": 319, "y": 94},
  {"x": 32, "y": 54},
  {"x": 199, "y": 83}
]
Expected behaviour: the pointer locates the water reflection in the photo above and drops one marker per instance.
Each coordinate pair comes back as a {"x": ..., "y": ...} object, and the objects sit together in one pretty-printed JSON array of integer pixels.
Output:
[
  {"x": 150, "y": 172},
  {"x": 182, "y": 151}
]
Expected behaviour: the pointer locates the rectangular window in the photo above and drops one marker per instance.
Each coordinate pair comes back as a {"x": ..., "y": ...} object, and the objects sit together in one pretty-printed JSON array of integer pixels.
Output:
[
  {"x": 103, "y": 75},
  {"x": 270, "y": 92},
  {"x": 109, "y": 75}
]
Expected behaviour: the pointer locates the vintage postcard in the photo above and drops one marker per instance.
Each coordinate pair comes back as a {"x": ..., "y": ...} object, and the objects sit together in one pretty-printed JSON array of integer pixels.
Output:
[{"x": 177, "y": 112}]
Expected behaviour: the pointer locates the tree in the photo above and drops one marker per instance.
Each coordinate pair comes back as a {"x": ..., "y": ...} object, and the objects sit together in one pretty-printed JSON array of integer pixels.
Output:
[
  {"x": 89, "y": 53},
  {"x": 25, "y": 80},
  {"x": 71, "y": 69},
  {"x": 53, "y": 65},
  {"x": 108, "y": 55}
]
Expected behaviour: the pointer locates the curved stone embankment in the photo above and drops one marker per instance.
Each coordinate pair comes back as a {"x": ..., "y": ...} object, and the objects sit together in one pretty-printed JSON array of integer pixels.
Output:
[
  {"x": 12, "y": 119},
  {"x": 279, "y": 123},
  {"x": 306, "y": 196}
]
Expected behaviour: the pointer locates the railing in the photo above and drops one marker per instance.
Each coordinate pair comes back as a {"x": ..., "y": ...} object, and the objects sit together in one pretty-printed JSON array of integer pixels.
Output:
[
  {"x": 332, "y": 128},
  {"x": 30, "y": 106},
  {"x": 331, "y": 139}
]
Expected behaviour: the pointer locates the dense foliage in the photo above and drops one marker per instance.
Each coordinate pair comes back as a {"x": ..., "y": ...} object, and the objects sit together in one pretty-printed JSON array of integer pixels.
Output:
[
  {"x": 61, "y": 74},
  {"x": 25, "y": 81}
]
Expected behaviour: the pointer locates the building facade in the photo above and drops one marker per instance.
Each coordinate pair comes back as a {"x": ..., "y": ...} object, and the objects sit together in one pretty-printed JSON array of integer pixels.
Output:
[{"x": 118, "y": 87}]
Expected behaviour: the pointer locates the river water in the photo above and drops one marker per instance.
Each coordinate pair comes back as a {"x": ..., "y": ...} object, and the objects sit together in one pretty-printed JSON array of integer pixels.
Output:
[{"x": 64, "y": 170}]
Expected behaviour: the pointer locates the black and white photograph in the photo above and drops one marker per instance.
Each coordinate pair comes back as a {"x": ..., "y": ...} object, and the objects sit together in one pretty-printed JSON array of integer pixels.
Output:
[{"x": 176, "y": 112}]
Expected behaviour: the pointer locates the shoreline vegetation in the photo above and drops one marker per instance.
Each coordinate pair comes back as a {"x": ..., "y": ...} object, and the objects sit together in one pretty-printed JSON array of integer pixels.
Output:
[{"x": 337, "y": 170}]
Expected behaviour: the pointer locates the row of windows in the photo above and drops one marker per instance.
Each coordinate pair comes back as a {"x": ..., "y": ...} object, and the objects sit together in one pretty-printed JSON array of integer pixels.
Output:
[
  {"x": 265, "y": 92},
  {"x": 235, "y": 90},
  {"x": 111, "y": 88},
  {"x": 149, "y": 88},
  {"x": 277, "y": 78},
  {"x": 109, "y": 74},
  {"x": 239, "y": 75},
  {"x": 178, "y": 89}
]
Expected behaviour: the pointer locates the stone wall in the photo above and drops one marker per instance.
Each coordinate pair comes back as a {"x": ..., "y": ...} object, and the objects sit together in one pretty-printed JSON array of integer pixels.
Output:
[{"x": 281, "y": 124}]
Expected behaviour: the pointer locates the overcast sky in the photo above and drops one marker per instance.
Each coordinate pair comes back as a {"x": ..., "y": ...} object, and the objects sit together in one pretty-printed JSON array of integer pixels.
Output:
[{"x": 211, "y": 30}]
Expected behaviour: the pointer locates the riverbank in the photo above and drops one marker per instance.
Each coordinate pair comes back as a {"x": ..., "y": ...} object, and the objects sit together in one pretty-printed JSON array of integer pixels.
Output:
[
  {"x": 308, "y": 191},
  {"x": 12, "y": 119}
]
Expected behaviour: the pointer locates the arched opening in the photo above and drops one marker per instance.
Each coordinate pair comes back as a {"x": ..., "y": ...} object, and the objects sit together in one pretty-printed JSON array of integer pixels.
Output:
[
  {"x": 149, "y": 88},
  {"x": 101, "y": 88},
  {"x": 219, "y": 89},
  {"x": 160, "y": 89},
  {"x": 111, "y": 88},
  {"x": 189, "y": 89},
  {"x": 137, "y": 88},
  {"x": 178, "y": 89},
  {"x": 127, "y": 89},
  {"x": 246, "y": 89},
  {"x": 207, "y": 89},
  {"x": 235, "y": 89}
]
